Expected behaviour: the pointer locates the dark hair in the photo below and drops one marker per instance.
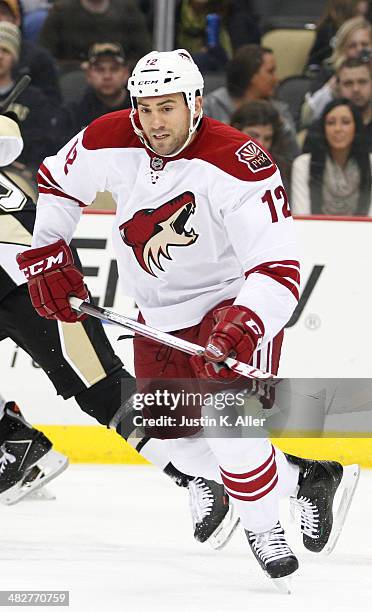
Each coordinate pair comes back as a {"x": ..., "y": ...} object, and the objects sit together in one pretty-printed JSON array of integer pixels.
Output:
[
  {"x": 242, "y": 67},
  {"x": 257, "y": 112},
  {"x": 319, "y": 148},
  {"x": 355, "y": 62}
]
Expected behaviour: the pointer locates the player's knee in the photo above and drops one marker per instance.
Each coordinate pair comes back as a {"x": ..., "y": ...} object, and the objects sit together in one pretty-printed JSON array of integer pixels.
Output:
[{"x": 103, "y": 400}]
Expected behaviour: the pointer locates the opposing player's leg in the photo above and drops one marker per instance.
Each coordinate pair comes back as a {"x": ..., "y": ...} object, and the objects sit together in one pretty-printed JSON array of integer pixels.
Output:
[{"x": 27, "y": 459}]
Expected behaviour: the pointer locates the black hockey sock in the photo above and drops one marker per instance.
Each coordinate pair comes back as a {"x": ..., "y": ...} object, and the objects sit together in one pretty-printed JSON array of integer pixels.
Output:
[{"x": 103, "y": 400}]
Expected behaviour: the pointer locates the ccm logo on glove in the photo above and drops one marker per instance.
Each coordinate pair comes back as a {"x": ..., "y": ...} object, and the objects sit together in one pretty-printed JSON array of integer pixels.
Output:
[
  {"x": 52, "y": 278},
  {"x": 43, "y": 264}
]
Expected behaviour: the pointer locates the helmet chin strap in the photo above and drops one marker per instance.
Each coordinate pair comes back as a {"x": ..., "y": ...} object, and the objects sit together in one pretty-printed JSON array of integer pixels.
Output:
[{"x": 192, "y": 129}]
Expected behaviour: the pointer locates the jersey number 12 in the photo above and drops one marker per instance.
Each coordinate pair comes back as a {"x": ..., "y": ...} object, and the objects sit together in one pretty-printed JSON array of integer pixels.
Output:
[{"x": 280, "y": 196}]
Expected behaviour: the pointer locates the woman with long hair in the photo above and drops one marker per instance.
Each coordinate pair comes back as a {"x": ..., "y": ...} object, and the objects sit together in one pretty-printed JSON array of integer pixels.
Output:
[
  {"x": 334, "y": 178},
  {"x": 336, "y": 12},
  {"x": 353, "y": 39}
]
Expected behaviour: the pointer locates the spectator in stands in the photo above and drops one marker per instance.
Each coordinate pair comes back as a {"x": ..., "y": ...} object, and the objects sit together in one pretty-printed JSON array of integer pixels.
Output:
[
  {"x": 72, "y": 26},
  {"x": 354, "y": 81},
  {"x": 336, "y": 12},
  {"x": 260, "y": 120},
  {"x": 355, "y": 84},
  {"x": 106, "y": 75},
  {"x": 192, "y": 32},
  {"x": 353, "y": 39},
  {"x": 335, "y": 177},
  {"x": 250, "y": 75},
  {"x": 32, "y": 109},
  {"x": 34, "y": 60}
]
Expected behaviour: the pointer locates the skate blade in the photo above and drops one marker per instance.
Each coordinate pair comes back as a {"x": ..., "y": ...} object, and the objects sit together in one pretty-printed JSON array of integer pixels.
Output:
[
  {"x": 51, "y": 465},
  {"x": 225, "y": 530},
  {"x": 347, "y": 488},
  {"x": 41, "y": 494},
  {"x": 283, "y": 585}
]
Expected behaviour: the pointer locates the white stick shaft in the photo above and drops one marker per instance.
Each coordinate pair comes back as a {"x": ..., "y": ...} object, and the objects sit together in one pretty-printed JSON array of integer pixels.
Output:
[{"x": 163, "y": 337}]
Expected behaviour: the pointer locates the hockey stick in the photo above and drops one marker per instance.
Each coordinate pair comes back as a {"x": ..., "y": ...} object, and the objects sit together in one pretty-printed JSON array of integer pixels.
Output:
[
  {"x": 163, "y": 337},
  {"x": 18, "y": 88}
]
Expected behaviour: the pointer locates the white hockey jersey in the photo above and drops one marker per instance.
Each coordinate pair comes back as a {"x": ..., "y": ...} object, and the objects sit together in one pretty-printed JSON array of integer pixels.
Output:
[{"x": 210, "y": 224}]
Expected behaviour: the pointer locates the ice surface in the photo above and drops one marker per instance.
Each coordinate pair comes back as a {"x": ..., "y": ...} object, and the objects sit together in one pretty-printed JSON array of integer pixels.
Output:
[{"x": 119, "y": 538}]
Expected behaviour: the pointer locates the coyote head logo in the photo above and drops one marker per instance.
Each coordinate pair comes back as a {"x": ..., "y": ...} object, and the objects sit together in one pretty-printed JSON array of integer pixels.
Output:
[{"x": 151, "y": 231}]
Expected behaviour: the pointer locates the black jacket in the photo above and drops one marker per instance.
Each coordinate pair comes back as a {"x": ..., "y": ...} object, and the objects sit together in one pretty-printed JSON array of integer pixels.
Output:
[{"x": 40, "y": 65}]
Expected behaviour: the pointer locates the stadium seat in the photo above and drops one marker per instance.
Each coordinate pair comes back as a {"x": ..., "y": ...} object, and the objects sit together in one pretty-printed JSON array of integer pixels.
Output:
[
  {"x": 276, "y": 14},
  {"x": 103, "y": 201},
  {"x": 301, "y": 137},
  {"x": 72, "y": 85},
  {"x": 291, "y": 49},
  {"x": 292, "y": 91}
]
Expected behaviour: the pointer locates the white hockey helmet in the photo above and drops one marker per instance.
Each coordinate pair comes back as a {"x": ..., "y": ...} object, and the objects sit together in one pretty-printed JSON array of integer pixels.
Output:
[{"x": 168, "y": 72}]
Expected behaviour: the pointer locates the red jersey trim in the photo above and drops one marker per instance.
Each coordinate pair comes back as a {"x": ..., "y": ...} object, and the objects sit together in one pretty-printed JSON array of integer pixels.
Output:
[
  {"x": 60, "y": 194},
  {"x": 111, "y": 131},
  {"x": 286, "y": 272},
  {"x": 48, "y": 185}
]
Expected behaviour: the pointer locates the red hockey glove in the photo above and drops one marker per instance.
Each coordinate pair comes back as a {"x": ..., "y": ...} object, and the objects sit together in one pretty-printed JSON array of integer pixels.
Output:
[
  {"x": 52, "y": 277},
  {"x": 237, "y": 333}
]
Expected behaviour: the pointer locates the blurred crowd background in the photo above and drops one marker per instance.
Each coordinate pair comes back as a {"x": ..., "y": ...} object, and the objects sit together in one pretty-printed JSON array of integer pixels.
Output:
[{"x": 295, "y": 75}]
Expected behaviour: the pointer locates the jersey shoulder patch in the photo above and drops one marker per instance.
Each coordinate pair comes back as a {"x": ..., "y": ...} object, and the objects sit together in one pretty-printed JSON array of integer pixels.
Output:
[
  {"x": 234, "y": 152},
  {"x": 111, "y": 131}
]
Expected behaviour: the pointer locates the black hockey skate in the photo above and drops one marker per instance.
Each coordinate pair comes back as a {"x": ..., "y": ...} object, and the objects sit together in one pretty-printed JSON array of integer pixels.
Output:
[
  {"x": 213, "y": 516},
  {"x": 321, "y": 521},
  {"x": 274, "y": 555},
  {"x": 27, "y": 461}
]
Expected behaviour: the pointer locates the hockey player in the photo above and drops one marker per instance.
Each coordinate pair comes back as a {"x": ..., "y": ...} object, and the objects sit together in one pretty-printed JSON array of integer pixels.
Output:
[
  {"x": 86, "y": 368},
  {"x": 204, "y": 241}
]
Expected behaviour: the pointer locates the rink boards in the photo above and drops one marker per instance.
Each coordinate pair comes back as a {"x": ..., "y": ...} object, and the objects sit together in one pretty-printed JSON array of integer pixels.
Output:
[{"x": 330, "y": 335}]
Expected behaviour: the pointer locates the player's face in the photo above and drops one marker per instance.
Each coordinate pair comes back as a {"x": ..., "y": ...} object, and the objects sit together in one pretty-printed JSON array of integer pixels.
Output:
[
  {"x": 107, "y": 77},
  {"x": 339, "y": 128},
  {"x": 165, "y": 121},
  {"x": 262, "y": 133},
  {"x": 358, "y": 41},
  {"x": 355, "y": 84},
  {"x": 265, "y": 80}
]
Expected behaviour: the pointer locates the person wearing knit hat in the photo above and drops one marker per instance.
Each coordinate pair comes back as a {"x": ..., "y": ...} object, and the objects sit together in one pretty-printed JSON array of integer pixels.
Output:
[
  {"x": 33, "y": 59},
  {"x": 31, "y": 109},
  {"x": 10, "y": 39}
]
